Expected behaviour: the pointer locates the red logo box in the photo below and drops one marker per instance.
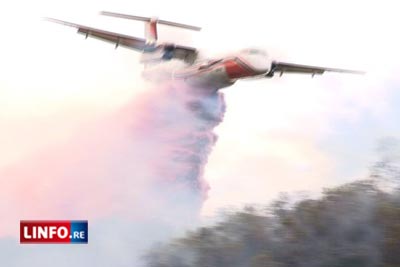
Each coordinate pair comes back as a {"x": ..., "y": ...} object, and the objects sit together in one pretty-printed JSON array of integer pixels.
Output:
[{"x": 53, "y": 232}]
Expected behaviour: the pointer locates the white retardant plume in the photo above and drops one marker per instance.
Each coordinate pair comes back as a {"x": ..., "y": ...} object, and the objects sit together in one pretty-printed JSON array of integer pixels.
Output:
[
  {"x": 175, "y": 129},
  {"x": 137, "y": 176}
]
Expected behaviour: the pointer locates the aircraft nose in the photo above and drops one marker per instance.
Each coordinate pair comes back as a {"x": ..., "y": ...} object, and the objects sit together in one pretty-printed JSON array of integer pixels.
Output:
[{"x": 259, "y": 62}]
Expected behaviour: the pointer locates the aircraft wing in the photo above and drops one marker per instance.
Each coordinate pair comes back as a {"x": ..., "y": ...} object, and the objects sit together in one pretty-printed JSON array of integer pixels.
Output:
[
  {"x": 115, "y": 38},
  {"x": 186, "y": 53},
  {"x": 283, "y": 67}
]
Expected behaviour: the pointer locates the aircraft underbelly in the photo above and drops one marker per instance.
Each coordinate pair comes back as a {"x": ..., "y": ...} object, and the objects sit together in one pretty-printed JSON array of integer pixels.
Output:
[
  {"x": 224, "y": 73},
  {"x": 214, "y": 79}
]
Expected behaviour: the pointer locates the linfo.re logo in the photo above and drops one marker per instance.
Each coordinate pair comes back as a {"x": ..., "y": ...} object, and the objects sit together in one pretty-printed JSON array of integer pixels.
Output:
[{"x": 67, "y": 232}]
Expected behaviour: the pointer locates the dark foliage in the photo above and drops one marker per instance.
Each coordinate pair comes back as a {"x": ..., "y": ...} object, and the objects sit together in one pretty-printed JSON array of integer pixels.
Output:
[{"x": 357, "y": 224}]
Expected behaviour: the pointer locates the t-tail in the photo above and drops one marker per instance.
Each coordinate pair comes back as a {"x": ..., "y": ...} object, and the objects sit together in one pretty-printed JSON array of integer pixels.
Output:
[
  {"x": 150, "y": 33},
  {"x": 155, "y": 52}
]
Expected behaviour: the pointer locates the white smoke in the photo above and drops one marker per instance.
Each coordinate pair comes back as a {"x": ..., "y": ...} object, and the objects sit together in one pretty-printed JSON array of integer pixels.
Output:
[{"x": 137, "y": 176}]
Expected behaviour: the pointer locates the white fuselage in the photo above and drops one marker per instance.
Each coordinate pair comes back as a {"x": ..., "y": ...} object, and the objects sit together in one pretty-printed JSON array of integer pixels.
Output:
[{"x": 211, "y": 74}]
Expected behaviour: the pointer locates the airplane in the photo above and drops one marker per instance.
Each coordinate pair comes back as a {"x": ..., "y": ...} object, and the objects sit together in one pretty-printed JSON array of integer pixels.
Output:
[{"x": 213, "y": 74}]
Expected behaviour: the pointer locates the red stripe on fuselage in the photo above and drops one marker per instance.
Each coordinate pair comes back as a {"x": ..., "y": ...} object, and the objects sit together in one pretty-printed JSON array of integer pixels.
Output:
[{"x": 236, "y": 69}]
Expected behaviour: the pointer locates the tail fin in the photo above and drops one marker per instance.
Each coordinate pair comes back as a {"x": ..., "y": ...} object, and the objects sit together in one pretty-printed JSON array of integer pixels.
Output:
[
  {"x": 150, "y": 31},
  {"x": 151, "y": 24}
]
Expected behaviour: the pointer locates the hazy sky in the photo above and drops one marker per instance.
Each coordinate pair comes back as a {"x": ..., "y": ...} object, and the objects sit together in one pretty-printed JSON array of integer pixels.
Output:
[{"x": 284, "y": 134}]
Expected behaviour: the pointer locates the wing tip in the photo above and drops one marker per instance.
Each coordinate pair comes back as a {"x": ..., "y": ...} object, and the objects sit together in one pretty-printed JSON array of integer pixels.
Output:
[
  {"x": 62, "y": 22},
  {"x": 359, "y": 72},
  {"x": 50, "y": 19}
]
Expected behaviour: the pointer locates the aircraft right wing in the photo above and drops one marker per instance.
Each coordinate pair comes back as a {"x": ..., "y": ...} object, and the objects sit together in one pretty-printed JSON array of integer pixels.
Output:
[
  {"x": 118, "y": 39},
  {"x": 283, "y": 67}
]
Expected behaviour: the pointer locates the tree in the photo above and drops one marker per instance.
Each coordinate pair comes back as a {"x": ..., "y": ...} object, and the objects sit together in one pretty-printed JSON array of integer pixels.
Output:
[{"x": 353, "y": 225}]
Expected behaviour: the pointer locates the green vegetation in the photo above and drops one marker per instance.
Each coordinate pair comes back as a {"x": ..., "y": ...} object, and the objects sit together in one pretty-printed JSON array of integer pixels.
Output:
[{"x": 357, "y": 224}]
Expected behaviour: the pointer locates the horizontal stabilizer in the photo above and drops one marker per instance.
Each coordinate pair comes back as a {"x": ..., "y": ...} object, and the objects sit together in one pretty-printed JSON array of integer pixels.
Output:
[{"x": 146, "y": 19}]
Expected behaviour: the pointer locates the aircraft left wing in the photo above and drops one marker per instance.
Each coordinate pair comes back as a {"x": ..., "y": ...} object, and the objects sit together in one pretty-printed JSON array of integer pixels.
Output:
[
  {"x": 115, "y": 38},
  {"x": 283, "y": 67}
]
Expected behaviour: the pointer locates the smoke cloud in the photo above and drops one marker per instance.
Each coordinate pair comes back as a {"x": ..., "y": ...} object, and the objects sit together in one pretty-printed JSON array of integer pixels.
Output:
[{"x": 136, "y": 175}]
